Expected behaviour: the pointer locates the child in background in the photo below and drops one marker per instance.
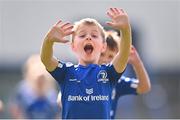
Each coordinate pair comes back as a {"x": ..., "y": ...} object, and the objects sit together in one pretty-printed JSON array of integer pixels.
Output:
[
  {"x": 35, "y": 96},
  {"x": 125, "y": 85},
  {"x": 86, "y": 87}
]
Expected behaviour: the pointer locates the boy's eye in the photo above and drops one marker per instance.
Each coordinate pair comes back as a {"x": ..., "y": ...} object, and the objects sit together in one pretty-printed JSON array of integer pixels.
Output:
[
  {"x": 94, "y": 36},
  {"x": 82, "y": 36}
]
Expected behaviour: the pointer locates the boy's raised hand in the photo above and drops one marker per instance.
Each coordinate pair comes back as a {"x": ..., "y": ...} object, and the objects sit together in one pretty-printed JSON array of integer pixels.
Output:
[
  {"x": 133, "y": 56},
  {"x": 59, "y": 31},
  {"x": 119, "y": 18}
]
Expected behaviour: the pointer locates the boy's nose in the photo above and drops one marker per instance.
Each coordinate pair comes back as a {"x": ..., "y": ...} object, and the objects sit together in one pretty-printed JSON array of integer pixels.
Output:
[{"x": 88, "y": 38}]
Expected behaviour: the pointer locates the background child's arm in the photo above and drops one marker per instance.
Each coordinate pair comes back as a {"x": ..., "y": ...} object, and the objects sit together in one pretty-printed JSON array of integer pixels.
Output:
[
  {"x": 141, "y": 73},
  {"x": 120, "y": 21},
  {"x": 56, "y": 34}
]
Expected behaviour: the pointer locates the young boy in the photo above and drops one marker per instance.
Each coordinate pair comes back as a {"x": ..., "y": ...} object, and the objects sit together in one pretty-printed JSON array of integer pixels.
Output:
[
  {"x": 86, "y": 87},
  {"x": 35, "y": 95},
  {"x": 125, "y": 85}
]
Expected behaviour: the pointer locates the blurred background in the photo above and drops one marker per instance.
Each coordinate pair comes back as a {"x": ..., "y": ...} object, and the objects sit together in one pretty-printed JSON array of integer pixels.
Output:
[{"x": 156, "y": 35}]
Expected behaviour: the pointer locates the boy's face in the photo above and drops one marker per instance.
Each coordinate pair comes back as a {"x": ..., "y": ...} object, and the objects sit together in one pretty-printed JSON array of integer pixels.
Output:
[
  {"x": 107, "y": 56},
  {"x": 88, "y": 44}
]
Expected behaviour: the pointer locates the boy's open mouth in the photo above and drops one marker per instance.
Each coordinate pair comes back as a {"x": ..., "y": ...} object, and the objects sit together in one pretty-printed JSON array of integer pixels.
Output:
[{"x": 88, "y": 48}]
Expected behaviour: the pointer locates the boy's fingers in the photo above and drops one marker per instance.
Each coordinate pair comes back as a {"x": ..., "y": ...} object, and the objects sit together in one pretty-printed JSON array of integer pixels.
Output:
[
  {"x": 112, "y": 10},
  {"x": 68, "y": 27},
  {"x": 110, "y": 15},
  {"x": 58, "y": 22},
  {"x": 56, "y": 28},
  {"x": 121, "y": 10},
  {"x": 132, "y": 51},
  {"x": 110, "y": 23},
  {"x": 65, "y": 24},
  {"x": 117, "y": 10},
  {"x": 133, "y": 48}
]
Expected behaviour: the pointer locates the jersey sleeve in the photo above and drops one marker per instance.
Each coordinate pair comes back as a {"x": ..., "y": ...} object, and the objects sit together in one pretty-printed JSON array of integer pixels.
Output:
[
  {"x": 113, "y": 75},
  {"x": 59, "y": 72},
  {"x": 126, "y": 86}
]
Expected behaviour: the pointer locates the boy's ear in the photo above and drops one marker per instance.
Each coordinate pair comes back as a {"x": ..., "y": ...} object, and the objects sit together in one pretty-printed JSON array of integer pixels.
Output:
[{"x": 104, "y": 47}]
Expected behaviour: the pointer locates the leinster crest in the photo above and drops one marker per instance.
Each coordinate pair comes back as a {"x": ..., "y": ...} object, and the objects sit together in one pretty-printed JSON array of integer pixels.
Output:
[{"x": 102, "y": 76}]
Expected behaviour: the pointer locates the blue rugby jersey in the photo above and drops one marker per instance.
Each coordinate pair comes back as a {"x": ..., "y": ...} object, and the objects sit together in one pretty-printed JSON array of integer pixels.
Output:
[
  {"x": 86, "y": 90},
  {"x": 123, "y": 87},
  {"x": 33, "y": 106}
]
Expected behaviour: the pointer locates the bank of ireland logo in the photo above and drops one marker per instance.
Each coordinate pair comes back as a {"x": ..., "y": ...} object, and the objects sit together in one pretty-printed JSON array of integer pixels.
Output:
[
  {"x": 102, "y": 76},
  {"x": 89, "y": 91}
]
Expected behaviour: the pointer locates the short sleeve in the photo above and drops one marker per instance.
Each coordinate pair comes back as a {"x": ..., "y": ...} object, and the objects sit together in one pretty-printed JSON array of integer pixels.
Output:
[
  {"x": 126, "y": 86},
  {"x": 113, "y": 75},
  {"x": 59, "y": 72}
]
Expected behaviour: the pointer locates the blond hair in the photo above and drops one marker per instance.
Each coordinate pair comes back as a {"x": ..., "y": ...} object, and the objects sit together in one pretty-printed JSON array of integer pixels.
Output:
[{"x": 89, "y": 21}]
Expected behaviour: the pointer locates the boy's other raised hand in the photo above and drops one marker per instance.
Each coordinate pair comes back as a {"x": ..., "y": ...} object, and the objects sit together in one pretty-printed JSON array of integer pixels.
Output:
[
  {"x": 119, "y": 18},
  {"x": 133, "y": 56},
  {"x": 59, "y": 31}
]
